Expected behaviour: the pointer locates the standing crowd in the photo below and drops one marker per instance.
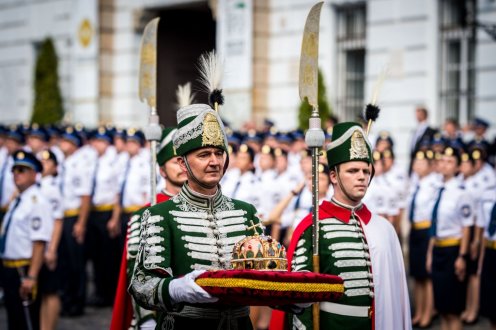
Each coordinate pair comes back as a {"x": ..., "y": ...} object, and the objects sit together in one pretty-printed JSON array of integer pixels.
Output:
[{"x": 69, "y": 196}]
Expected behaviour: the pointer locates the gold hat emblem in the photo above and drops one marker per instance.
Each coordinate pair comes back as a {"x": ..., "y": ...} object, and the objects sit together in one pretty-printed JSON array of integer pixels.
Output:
[
  {"x": 465, "y": 157},
  {"x": 45, "y": 155},
  {"x": 449, "y": 151},
  {"x": 358, "y": 148},
  {"x": 21, "y": 155},
  {"x": 476, "y": 154},
  {"x": 420, "y": 155},
  {"x": 212, "y": 134},
  {"x": 278, "y": 152},
  {"x": 429, "y": 154},
  {"x": 266, "y": 149},
  {"x": 101, "y": 130},
  {"x": 376, "y": 155},
  {"x": 243, "y": 148},
  {"x": 69, "y": 130}
]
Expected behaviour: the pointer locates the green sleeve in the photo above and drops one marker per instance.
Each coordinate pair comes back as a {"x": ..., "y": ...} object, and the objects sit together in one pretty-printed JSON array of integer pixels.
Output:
[
  {"x": 152, "y": 273},
  {"x": 301, "y": 262}
]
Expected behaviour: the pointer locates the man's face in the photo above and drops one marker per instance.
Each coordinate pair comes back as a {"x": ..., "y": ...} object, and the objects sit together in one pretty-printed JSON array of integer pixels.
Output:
[
  {"x": 206, "y": 164},
  {"x": 354, "y": 177},
  {"x": 67, "y": 147},
  {"x": 35, "y": 143},
  {"x": 450, "y": 128},
  {"x": 420, "y": 114},
  {"x": 173, "y": 172},
  {"x": 11, "y": 145},
  {"x": 99, "y": 145},
  {"x": 120, "y": 144},
  {"x": 24, "y": 177},
  {"x": 243, "y": 161},
  {"x": 133, "y": 147}
]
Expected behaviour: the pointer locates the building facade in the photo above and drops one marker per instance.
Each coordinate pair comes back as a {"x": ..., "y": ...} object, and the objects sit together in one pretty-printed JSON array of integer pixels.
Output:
[{"x": 436, "y": 53}]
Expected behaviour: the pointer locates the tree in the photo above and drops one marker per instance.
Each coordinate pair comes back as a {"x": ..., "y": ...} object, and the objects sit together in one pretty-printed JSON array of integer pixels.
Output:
[
  {"x": 305, "y": 110},
  {"x": 48, "y": 108}
]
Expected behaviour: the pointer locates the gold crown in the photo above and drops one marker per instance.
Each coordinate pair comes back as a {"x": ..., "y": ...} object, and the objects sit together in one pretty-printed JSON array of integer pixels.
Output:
[{"x": 259, "y": 252}]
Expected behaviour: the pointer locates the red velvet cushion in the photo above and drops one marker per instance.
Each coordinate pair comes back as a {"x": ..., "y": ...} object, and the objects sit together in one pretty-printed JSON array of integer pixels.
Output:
[{"x": 270, "y": 288}]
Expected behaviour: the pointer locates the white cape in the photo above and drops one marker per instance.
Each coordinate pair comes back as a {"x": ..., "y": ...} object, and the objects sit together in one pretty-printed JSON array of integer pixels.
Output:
[{"x": 392, "y": 303}]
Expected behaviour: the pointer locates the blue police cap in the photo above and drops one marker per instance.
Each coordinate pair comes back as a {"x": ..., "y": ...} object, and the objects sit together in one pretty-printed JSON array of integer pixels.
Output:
[{"x": 27, "y": 159}]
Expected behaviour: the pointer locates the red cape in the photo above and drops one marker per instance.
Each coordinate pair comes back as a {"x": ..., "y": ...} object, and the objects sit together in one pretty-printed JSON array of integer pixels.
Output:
[
  {"x": 326, "y": 210},
  {"x": 122, "y": 314}
]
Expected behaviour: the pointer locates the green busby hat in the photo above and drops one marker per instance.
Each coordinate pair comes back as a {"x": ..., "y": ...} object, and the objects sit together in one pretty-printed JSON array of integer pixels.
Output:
[
  {"x": 198, "y": 126},
  {"x": 166, "y": 149},
  {"x": 349, "y": 143}
]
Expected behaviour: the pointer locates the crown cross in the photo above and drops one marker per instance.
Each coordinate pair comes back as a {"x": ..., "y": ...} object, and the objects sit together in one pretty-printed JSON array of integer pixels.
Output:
[{"x": 254, "y": 226}]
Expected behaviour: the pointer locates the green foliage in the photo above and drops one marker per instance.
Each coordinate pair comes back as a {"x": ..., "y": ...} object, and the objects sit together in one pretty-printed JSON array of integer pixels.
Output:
[
  {"x": 305, "y": 109},
  {"x": 48, "y": 108}
]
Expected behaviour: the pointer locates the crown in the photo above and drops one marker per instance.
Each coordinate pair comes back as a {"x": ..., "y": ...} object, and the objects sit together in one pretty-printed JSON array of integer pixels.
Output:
[{"x": 259, "y": 252}]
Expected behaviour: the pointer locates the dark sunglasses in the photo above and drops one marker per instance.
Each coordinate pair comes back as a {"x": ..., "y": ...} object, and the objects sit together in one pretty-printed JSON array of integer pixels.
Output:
[{"x": 20, "y": 169}]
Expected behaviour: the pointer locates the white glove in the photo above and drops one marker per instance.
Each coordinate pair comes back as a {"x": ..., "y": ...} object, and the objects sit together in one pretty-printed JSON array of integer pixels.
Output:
[
  {"x": 149, "y": 324},
  {"x": 304, "y": 305},
  {"x": 185, "y": 290}
]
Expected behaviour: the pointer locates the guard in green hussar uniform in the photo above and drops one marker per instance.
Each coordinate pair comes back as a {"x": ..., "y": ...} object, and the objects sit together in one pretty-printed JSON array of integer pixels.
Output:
[
  {"x": 192, "y": 232},
  {"x": 355, "y": 244}
]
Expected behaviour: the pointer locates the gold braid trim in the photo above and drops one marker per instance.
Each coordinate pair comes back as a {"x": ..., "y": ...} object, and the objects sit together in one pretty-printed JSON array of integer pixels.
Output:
[{"x": 268, "y": 285}]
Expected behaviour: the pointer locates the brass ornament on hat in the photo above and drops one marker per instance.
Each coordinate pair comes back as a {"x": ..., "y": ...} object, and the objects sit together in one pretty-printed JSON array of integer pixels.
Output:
[
  {"x": 101, "y": 130},
  {"x": 420, "y": 155},
  {"x": 212, "y": 134},
  {"x": 266, "y": 149},
  {"x": 449, "y": 151},
  {"x": 243, "y": 148},
  {"x": 278, "y": 152},
  {"x": 358, "y": 148},
  {"x": 465, "y": 157},
  {"x": 21, "y": 155},
  {"x": 476, "y": 154},
  {"x": 376, "y": 155},
  {"x": 45, "y": 155},
  {"x": 429, "y": 154}
]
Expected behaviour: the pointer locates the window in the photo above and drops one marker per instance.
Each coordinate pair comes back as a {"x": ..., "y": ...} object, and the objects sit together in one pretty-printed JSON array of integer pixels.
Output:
[
  {"x": 350, "y": 43},
  {"x": 457, "y": 33}
]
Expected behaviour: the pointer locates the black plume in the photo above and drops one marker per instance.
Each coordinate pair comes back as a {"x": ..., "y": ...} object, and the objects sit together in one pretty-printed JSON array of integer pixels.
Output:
[
  {"x": 216, "y": 97},
  {"x": 371, "y": 112}
]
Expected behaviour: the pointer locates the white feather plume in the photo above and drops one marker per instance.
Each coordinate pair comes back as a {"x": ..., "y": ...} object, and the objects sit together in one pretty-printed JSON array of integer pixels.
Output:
[
  {"x": 184, "y": 95},
  {"x": 210, "y": 69}
]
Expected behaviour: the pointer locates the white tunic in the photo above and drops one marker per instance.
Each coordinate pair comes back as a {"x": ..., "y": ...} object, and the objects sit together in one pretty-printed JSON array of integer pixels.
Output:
[
  {"x": 106, "y": 182},
  {"x": 76, "y": 175},
  {"x": 30, "y": 221}
]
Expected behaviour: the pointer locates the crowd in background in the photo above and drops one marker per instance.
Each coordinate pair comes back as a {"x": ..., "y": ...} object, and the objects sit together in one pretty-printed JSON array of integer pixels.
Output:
[{"x": 96, "y": 178}]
